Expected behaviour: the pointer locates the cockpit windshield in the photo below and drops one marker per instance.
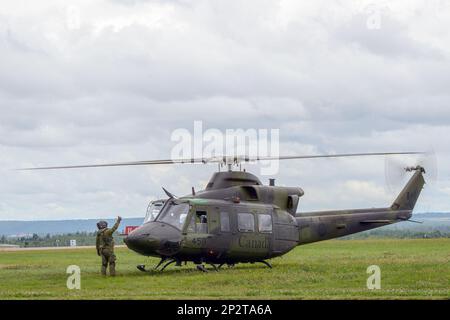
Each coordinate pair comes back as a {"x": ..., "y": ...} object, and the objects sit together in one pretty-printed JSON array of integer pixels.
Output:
[{"x": 174, "y": 214}]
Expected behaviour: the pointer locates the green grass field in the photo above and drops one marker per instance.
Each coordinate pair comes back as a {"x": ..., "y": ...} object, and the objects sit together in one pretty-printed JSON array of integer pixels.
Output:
[{"x": 410, "y": 269}]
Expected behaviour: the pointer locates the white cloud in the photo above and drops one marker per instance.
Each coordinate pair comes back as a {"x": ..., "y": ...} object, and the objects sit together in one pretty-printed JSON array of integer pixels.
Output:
[{"x": 115, "y": 85}]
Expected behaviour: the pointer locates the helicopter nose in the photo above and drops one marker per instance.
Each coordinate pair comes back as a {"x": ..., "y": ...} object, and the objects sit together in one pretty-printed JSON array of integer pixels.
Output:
[
  {"x": 154, "y": 238},
  {"x": 142, "y": 243}
]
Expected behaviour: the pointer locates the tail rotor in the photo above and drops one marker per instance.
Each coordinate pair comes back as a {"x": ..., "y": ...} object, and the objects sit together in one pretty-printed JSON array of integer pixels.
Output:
[{"x": 397, "y": 169}]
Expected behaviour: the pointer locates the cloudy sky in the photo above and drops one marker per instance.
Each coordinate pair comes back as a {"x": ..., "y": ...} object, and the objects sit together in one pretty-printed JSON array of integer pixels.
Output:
[{"x": 92, "y": 81}]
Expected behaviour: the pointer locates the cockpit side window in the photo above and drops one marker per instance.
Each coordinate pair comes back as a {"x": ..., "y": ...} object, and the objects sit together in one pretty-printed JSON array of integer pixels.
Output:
[{"x": 153, "y": 210}]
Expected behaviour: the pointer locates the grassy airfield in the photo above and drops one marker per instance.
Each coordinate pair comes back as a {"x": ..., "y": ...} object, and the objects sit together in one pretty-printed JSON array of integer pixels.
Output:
[{"x": 410, "y": 269}]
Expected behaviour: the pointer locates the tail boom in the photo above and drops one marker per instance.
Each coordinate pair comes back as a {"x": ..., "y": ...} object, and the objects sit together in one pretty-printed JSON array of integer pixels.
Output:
[{"x": 319, "y": 226}]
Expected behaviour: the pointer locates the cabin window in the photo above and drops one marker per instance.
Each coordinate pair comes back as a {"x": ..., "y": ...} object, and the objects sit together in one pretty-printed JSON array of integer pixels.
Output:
[
  {"x": 246, "y": 222},
  {"x": 224, "y": 222},
  {"x": 265, "y": 223},
  {"x": 201, "y": 222}
]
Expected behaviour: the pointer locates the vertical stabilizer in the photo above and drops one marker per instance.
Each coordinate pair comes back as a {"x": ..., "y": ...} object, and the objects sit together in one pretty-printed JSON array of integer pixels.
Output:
[{"x": 407, "y": 199}]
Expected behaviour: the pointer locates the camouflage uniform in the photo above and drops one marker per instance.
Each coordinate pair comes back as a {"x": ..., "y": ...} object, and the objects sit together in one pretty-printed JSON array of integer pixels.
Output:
[{"x": 105, "y": 248}]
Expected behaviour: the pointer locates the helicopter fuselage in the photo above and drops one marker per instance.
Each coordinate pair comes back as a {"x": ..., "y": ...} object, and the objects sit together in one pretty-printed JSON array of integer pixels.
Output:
[
  {"x": 237, "y": 219},
  {"x": 216, "y": 231}
]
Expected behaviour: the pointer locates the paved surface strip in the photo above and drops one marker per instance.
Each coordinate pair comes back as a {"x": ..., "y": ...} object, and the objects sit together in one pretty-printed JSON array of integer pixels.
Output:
[{"x": 49, "y": 248}]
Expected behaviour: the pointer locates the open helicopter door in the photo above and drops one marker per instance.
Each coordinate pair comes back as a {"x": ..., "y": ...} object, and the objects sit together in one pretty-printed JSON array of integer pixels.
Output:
[{"x": 202, "y": 224}]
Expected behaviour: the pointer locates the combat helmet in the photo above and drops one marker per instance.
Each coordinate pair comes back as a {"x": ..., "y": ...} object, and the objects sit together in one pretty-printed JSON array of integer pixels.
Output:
[{"x": 102, "y": 224}]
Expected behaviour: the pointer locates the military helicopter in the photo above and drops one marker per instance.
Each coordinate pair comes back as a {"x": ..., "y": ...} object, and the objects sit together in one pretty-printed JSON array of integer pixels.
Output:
[{"x": 238, "y": 219}]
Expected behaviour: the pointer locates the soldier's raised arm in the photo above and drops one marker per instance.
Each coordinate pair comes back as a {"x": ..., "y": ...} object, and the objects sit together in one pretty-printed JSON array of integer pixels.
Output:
[{"x": 115, "y": 226}]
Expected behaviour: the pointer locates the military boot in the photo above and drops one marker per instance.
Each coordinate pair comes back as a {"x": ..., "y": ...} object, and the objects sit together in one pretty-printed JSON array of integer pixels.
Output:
[
  {"x": 103, "y": 270},
  {"x": 112, "y": 265}
]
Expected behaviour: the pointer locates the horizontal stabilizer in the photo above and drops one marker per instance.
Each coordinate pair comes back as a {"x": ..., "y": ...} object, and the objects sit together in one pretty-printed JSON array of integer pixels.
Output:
[
  {"x": 388, "y": 221},
  {"x": 377, "y": 221}
]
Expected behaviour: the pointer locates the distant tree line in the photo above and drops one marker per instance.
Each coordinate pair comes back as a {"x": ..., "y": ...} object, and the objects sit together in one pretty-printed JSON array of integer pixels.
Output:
[
  {"x": 88, "y": 238},
  {"x": 59, "y": 240},
  {"x": 402, "y": 234}
]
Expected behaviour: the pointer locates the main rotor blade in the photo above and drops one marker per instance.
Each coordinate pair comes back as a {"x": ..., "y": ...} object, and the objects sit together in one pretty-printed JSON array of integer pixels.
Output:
[
  {"x": 120, "y": 164},
  {"x": 223, "y": 160},
  {"x": 342, "y": 155}
]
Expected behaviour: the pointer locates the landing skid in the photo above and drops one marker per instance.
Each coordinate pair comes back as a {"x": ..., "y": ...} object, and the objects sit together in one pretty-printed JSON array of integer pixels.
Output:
[
  {"x": 160, "y": 263},
  {"x": 142, "y": 267},
  {"x": 266, "y": 263},
  {"x": 231, "y": 265},
  {"x": 200, "y": 267},
  {"x": 172, "y": 261}
]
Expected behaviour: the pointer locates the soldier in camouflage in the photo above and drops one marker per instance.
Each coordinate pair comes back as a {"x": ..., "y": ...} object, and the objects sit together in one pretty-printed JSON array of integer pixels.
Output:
[{"x": 105, "y": 246}]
